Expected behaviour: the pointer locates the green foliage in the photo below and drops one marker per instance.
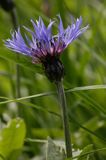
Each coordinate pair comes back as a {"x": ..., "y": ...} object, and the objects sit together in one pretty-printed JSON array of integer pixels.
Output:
[
  {"x": 85, "y": 83},
  {"x": 12, "y": 139},
  {"x": 85, "y": 151}
]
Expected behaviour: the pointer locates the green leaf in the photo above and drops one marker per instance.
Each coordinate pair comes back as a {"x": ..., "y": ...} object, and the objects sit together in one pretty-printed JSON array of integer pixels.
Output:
[
  {"x": 86, "y": 88},
  {"x": 12, "y": 138},
  {"x": 54, "y": 152},
  {"x": 86, "y": 149},
  {"x": 76, "y": 89},
  {"x": 28, "y": 97},
  {"x": 1, "y": 157}
]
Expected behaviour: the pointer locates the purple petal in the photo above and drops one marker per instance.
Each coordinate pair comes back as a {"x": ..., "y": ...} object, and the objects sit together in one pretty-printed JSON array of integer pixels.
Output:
[
  {"x": 74, "y": 31},
  {"x": 17, "y": 43},
  {"x": 60, "y": 26},
  {"x": 49, "y": 28}
]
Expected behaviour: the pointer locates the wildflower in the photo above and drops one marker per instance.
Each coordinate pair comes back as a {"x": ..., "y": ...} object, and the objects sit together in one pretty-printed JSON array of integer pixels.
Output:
[{"x": 44, "y": 47}]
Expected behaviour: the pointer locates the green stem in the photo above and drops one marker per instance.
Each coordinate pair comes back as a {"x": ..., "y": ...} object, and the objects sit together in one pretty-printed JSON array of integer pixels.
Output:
[
  {"x": 64, "y": 111},
  {"x": 14, "y": 18}
]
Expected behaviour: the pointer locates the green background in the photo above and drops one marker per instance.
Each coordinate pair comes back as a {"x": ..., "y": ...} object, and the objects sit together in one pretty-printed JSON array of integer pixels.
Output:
[{"x": 85, "y": 65}]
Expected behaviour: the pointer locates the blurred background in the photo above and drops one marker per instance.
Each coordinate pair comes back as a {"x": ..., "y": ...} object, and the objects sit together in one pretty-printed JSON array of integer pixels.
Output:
[{"x": 84, "y": 62}]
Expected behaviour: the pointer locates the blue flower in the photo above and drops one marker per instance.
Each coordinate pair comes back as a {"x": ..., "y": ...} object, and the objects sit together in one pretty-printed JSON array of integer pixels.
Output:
[
  {"x": 43, "y": 43},
  {"x": 44, "y": 47}
]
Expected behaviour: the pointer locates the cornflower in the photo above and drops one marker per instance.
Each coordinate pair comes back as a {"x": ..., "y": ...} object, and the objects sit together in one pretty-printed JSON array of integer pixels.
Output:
[{"x": 46, "y": 49}]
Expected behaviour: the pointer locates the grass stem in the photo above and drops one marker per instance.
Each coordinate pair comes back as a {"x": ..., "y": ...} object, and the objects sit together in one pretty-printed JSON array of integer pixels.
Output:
[{"x": 14, "y": 19}]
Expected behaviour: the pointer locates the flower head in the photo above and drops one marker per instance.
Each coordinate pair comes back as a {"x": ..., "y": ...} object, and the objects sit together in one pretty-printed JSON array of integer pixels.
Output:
[{"x": 44, "y": 47}]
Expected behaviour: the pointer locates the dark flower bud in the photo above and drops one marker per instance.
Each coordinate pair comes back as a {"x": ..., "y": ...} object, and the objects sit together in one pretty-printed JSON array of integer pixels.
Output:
[
  {"x": 7, "y": 5},
  {"x": 53, "y": 68}
]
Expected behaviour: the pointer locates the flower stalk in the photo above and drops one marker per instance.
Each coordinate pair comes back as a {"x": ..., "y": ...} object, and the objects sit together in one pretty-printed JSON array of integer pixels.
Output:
[
  {"x": 14, "y": 19},
  {"x": 64, "y": 112}
]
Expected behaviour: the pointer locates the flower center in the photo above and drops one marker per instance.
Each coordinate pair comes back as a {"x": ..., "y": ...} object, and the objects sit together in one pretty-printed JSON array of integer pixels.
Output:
[{"x": 53, "y": 68}]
